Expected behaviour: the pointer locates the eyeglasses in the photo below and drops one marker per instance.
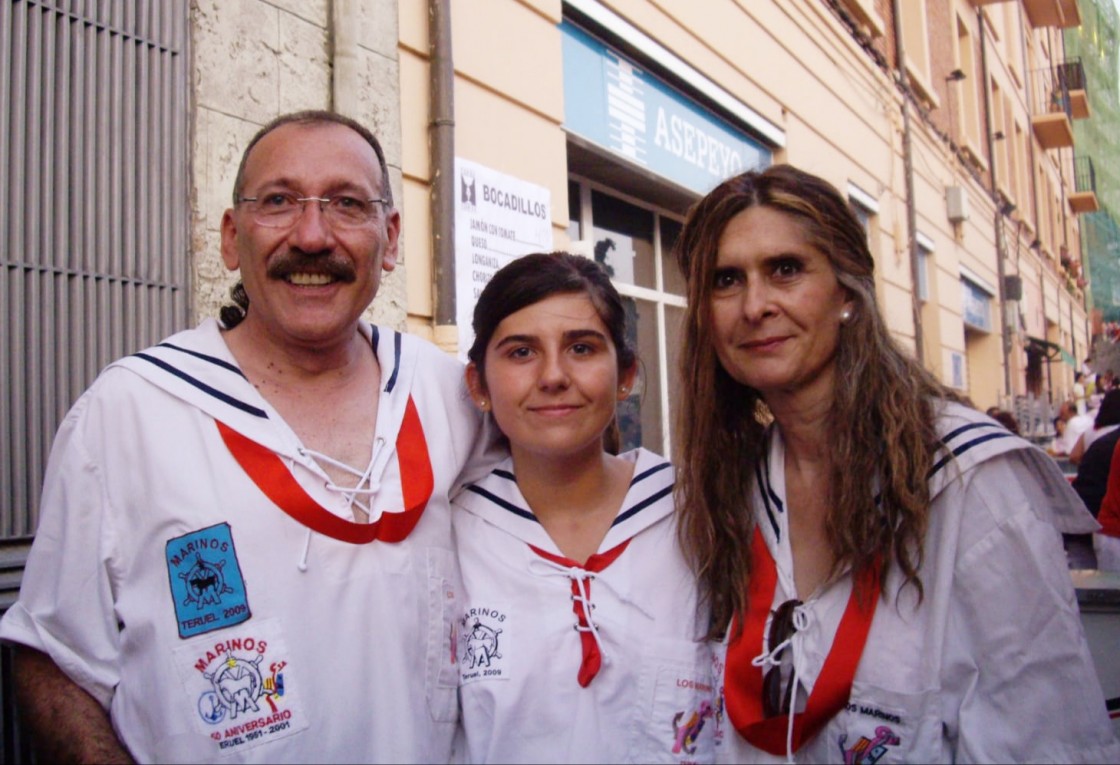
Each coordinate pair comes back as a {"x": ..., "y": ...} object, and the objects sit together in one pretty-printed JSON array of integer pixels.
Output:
[
  {"x": 782, "y": 628},
  {"x": 283, "y": 210}
]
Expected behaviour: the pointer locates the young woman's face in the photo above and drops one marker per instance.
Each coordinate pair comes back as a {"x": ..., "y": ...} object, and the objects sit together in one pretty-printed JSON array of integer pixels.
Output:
[
  {"x": 776, "y": 306},
  {"x": 552, "y": 378}
]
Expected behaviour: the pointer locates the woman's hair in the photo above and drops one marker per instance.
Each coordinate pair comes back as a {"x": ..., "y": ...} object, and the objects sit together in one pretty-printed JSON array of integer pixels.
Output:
[
  {"x": 1109, "y": 412},
  {"x": 529, "y": 280},
  {"x": 533, "y": 278},
  {"x": 880, "y": 425},
  {"x": 1004, "y": 418}
]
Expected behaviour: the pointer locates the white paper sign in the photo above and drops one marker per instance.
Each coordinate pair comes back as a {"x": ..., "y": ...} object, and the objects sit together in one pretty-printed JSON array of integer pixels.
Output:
[{"x": 497, "y": 218}]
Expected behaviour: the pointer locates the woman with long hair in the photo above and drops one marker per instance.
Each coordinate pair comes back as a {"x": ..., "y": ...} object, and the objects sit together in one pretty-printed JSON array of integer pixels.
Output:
[
  {"x": 581, "y": 638},
  {"x": 881, "y": 562}
]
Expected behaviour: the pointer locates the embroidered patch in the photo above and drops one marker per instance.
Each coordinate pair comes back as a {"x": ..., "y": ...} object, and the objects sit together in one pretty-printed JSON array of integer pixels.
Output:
[
  {"x": 206, "y": 584},
  {"x": 687, "y": 727},
  {"x": 482, "y": 634},
  {"x": 240, "y": 688},
  {"x": 868, "y": 750},
  {"x": 682, "y": 697}
]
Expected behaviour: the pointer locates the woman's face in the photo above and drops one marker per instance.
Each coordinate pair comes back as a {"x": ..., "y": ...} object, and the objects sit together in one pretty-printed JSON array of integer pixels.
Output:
[
  {"x": 775, "y": 307},
  {"x": 552, "y": 378}
]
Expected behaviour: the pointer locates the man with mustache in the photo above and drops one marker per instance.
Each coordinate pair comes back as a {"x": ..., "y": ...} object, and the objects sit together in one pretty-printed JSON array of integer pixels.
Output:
[{"x": 244, "y": 546}]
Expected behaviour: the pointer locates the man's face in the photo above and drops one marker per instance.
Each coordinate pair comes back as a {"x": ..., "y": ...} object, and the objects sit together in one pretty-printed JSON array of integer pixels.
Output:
[{"x": 309, "y": 282}]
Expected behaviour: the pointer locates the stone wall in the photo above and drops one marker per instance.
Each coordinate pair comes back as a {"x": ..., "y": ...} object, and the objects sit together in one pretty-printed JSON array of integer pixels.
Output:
[{"x": 253, "y": 60}]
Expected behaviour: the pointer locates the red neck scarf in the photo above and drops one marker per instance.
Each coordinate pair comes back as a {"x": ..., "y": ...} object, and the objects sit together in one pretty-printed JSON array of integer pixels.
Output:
[
  {"x": 743, "y": 681},
  {"x": 271, "y": 476},
  {"x": 592, "y": 658}
]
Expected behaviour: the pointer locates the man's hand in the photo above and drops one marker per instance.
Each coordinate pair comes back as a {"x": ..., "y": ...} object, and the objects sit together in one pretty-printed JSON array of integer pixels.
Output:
[{"x": 63, "y": 722}]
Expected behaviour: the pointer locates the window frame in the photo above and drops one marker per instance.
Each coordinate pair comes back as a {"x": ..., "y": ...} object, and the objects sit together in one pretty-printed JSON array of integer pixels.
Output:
[{"x": 657, "y": 295}]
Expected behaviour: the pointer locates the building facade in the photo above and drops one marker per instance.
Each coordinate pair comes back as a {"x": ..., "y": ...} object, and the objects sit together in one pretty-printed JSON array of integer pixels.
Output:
[
  {"x": 1096, "y": 44},
  {"x": 948, "y": 123}
]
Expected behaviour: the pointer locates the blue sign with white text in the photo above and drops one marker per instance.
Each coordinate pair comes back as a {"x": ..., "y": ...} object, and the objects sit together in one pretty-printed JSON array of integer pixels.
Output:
[
  {"x": 976, "y": 306},
  {"x": 613, "y": 103}
]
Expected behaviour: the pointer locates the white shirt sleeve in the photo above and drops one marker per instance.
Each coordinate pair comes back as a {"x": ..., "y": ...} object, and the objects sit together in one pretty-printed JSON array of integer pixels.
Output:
[
  {"x": 1017, "y": 664},
  {"x": 65, "y": 607}
]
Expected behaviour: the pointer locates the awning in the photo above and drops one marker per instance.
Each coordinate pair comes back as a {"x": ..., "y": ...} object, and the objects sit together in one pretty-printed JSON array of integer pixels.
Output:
[{"x": 1049, "y": 350}]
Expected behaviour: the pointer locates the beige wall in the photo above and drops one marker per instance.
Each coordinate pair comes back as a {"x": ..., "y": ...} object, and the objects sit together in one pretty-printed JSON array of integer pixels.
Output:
[
  {"x": 508, "y": 112},
  {"x": 985, "y": 368}
]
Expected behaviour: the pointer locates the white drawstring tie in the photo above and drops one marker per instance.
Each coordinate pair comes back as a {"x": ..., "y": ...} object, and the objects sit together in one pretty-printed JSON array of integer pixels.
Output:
[
  {"x": 583, "y": 583},
  {"x": 582, "y": 579},
  {"x": 302, "y": 565},
  {"x": 771, "y": 657},
  {"x": 364, "y": 487}
]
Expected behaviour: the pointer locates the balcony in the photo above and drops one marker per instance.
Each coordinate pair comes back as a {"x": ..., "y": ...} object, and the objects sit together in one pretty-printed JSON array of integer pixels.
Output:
[
  {"x": 1084, "y": 197},
  {"x": 1071, "y": 77},
  {"x": 1051, "y": 109},
  {"x": 1052, "y": 13}
]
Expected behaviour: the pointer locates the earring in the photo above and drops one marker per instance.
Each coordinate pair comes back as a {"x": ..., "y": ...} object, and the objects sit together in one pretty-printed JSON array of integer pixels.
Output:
[
  {"x": 623, "y": 390},
  {"x": 484, "y": 405},
  {"x": 845, "y": 315}
]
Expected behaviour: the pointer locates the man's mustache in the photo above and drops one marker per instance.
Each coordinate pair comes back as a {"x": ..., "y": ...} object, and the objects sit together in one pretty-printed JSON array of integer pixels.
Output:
[{"x": 297, "y": 261}]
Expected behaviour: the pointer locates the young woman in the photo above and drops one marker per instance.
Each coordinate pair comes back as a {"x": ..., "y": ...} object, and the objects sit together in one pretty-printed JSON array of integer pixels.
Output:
[
  {"x": 580, "y": 640},
  {"x": 882, "y": 563}
]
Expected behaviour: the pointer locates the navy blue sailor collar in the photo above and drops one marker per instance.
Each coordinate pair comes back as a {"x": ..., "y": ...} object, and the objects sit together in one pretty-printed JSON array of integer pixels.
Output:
[
  {"x": 197, "y": 367},
  {"x": 497, "y": 499}
]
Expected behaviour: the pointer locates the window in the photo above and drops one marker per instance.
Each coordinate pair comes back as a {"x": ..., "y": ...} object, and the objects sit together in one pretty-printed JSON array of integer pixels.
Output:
[
  {"x": 925, "y": 255},
  {"x": 1043, "y": 212},
  {"x": 573, "y": 211},
  {"x": 866, "y": 208},
  {"x": 999, "y": 138},
  {"x": 1019, "y": 167},
  {"x": 957, "y": 370},
  {"x": 1013, "y": 41},
  {"x": 865, "y": 205},
  {"x": 915, "y": 36},
  {"x": 634, "y": 242},
  {"x": 976, "y": 306},
  {"x": 968, "y": 116}
]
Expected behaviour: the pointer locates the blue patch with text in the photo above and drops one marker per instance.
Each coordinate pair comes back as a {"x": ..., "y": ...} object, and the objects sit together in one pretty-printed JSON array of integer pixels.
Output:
[{"x": 206, "y": 583}]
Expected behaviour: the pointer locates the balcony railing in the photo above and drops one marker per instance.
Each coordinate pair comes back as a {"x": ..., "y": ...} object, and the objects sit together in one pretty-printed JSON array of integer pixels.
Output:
[
  {"x": 1051, "y": 108},
  {"x": 1084, "y": 197},
  {"x": 1070, "y": 77}
]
